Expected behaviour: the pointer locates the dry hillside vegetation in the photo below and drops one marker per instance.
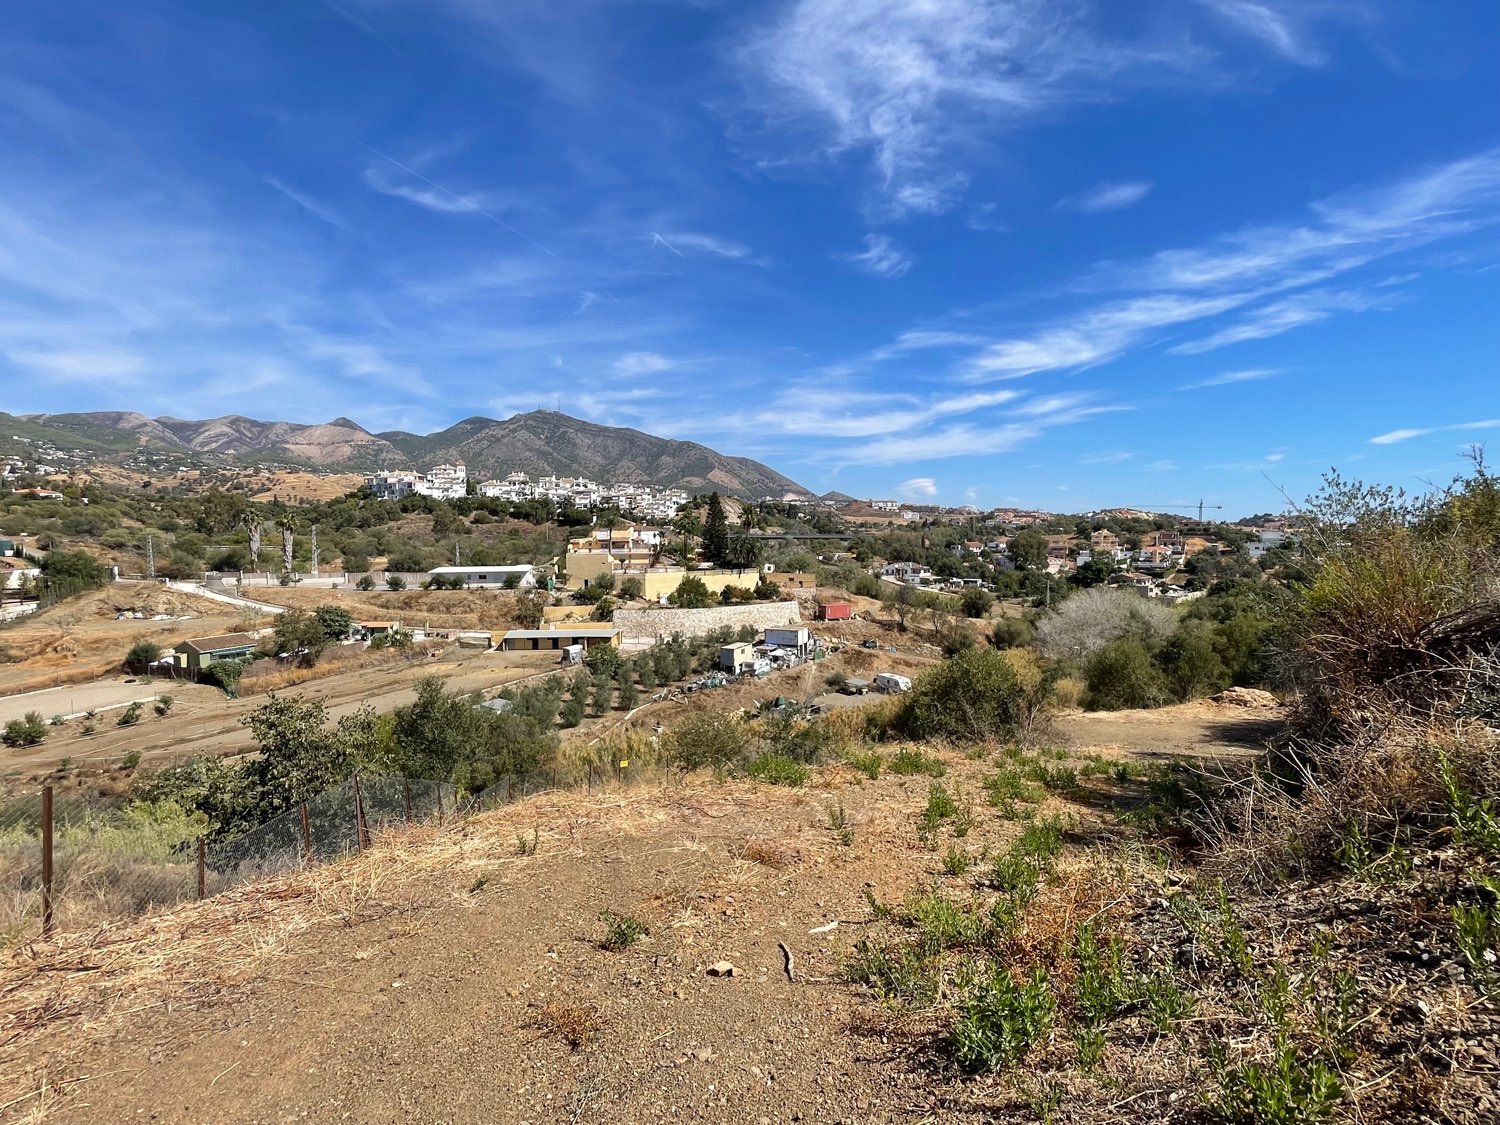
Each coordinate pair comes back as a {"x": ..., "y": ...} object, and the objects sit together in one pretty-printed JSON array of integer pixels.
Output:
[
  {"x": 448, "y": 976},
  {"x": 84, "y": 637}
]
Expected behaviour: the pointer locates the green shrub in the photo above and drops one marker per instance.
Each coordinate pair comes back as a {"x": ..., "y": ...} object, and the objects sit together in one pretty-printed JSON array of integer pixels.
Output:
[
  {"x": 900, "y": 975},
  {"x": 27, "y": 731},
  {"x": 1122, "y": 676},
  {"x": 708, "y": 740},
  {"x": 621, "y": 931},
  {"x": 366, "y": 582},
  {"x": 130, "y": 716},
  {"x": 395, "y": 582},
  {"x": 142, "y": 655},
  {"x": 1288, "y": 1090},
  {"x": 908, "y": 763},
  {"x": 1000, "y": 1019},
  {"x": 164, "y": 705},
  {"x": 778, "y": 769},
  {"x": 975, "y": 696},
  {"x": 867, "y": 763}
]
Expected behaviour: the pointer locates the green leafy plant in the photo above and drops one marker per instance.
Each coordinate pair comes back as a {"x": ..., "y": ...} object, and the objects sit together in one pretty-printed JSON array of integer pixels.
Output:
[
  {"x": 909, "y": 763},
  {"x": 778, "y": 769},
  {"x": 621, "y": 931},
  {"x": 130, "y": 716},
  {"x": 899, "y": 975},
  {"x": 838, "y": 820},
  {"x": 1001, "y": 1018}
]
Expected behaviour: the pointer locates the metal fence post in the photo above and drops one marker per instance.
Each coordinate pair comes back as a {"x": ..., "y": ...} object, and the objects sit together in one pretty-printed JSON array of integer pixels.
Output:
[
  {"x": 361, "y": 831},
  {"x": 406, "y": 797},
  {"x": 202, "y": 864},
  {"x": 306, "y": 837},
  {"x": 46, "y": 861}
]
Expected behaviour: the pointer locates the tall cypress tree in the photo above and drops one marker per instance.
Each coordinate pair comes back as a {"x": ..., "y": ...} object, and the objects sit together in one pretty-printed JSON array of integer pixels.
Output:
[{"x": 715, "y": 531}]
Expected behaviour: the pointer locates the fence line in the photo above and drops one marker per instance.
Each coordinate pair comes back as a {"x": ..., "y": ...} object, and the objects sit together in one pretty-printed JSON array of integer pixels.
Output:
[{"x": 72, "y": 862}]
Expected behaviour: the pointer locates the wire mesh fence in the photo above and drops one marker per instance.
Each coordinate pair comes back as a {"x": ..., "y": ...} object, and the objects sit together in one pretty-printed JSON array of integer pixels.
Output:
[{"x": 75, "y": 861}]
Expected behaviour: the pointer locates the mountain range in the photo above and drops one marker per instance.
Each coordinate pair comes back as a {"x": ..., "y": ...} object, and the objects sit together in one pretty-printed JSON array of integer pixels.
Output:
[{"x": 538, "y": 443}]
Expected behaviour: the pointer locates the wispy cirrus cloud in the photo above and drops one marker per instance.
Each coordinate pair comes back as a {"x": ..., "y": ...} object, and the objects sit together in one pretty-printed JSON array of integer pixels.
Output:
[
  {"x": 1229, "y": 378},
  {"x": 1116, "y": 196},
  {"x": 1285, "y": 26},
  {"x": 314, "y": 208},
  {"x": 1395, "y": 436},
  {"x": 642, "y": 363},
  {"x": 918, "y": 488},
  {"x": 881, "y": 257},
  {"x": 1269, "y": 275},
  {"x": 913, "y": 86},
  {"x": 686, "y": 243}
]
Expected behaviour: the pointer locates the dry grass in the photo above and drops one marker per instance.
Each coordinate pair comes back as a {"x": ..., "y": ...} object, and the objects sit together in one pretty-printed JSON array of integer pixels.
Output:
[
  {"x": 267, "y": 675},
  {"x": 575, "y": 1024},
  {"x": 768, "y": 853}
]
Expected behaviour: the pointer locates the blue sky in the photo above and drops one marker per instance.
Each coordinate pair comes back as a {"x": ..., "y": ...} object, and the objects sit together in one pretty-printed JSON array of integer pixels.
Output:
[{"x": 1062, "y": 253}]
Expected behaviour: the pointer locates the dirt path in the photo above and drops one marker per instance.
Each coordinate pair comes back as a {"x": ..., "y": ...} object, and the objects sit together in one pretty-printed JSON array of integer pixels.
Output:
[{"x": 439, "y": 977}]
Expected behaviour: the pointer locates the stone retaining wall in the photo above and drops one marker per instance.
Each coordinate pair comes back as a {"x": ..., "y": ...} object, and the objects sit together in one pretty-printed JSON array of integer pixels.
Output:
[{"x": 695, "y": 622}]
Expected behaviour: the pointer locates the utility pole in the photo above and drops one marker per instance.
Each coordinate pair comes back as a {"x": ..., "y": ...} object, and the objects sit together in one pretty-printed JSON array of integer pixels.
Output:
[
  {"x": 150, "y": 557},
  {"x": 315, "y": 550}
]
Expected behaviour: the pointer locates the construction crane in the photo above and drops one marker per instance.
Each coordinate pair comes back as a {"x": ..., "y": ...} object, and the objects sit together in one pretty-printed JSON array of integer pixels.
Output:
[{"x": 1199, "y": 507}]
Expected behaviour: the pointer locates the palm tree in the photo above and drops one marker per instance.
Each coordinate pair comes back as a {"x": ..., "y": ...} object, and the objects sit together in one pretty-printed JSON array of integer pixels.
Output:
[
  {"x": 252, "y": 525},
  {"x": 288, "y": 528}
]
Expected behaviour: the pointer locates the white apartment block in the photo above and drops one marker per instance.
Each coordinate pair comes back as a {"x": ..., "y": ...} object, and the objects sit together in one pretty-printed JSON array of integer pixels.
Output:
[{"x": 445, "y": 482}]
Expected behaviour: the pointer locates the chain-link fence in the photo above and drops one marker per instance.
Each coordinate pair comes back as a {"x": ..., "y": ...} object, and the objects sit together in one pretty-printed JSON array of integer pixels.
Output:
[
  {"x": 73, "y": 861},
  {"x": 331, "y": 825}
]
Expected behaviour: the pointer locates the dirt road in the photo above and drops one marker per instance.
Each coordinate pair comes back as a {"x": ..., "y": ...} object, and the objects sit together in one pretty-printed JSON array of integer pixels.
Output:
[
  {"x": 75, "y": 699},
  {"x": 204, "y": 721}
]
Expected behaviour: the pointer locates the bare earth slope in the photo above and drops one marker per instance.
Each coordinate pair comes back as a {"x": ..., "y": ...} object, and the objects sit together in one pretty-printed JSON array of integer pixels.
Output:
[{"x": 441, "y": 976}]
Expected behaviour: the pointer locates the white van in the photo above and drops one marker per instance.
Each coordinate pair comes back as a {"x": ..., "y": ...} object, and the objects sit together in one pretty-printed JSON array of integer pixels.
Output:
[{"x": 888, "y": 683}]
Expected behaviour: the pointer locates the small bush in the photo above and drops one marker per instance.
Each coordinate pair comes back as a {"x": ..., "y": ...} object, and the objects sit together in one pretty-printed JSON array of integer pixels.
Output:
[
  {"x": 1000, "y": 1019},
  {"x": 164, "y": 705},
  {"x": 366, "y": 583},
  {"x": 1122, "y": 676},
  {"x": 956, "y": 861},
  {"x": 131, "y": 760},
  {"x": 130, "y": 716},
  {"x": 1287, "y": 1090},
  {"x": 395, "y": 582},
  {"x": 142, "y": 655},
  {"x": 838, "y": 820},
  {"x": 868, "y": 763},
  {"x": 27, "y": 731},
  {"x": 899, "y": 975},
  {"x": 977, "y": 695},
  {"x": 621, "y": 931},
  {"x": 909, "y": 763},
  {"x": 708, "y": 740},
  {"x": 778, "y": 769}
]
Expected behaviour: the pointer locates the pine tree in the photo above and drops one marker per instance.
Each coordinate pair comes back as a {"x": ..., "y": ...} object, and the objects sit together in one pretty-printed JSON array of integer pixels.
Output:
[{"x": 715, "y": 531}]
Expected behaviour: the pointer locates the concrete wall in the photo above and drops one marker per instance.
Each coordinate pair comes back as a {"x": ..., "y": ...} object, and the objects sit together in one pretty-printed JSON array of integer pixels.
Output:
[{"x": 695, "y": 622}]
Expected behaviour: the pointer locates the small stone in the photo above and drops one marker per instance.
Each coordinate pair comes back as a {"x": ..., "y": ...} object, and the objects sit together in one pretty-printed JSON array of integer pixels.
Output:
[
  {"x": 721, "y": 969},
  {"x": 702, "y": 1054}
]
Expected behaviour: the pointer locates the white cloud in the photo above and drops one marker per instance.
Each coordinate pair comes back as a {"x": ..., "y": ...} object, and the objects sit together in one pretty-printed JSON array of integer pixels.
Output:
[
  {"x": 918, "y": 488},
  {"x": 827, "y": 409},
  {"x": 1093, "y": 336},
  {"x": 917, "y": 87},
  {"x": 881, "y": 257},
  {"x": 1406, "y": 435},
  {"x": 1228, "y": 378},
  {"x": 308, "y": 204},
  {"x": 73, "y": 366},
  {"x": 1106, "y": 197},
  {"x": 1284, "y": 315},
  {"x": 642, "y": 363},
  {"x": 683, "y": 243},
  {"x": 1280, "y": 26},
  {"x": 1113, "y": 457}
]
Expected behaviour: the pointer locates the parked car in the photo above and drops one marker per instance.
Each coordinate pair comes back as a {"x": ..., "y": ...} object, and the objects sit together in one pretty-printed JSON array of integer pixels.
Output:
[{"x": 872, "y": 644}]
